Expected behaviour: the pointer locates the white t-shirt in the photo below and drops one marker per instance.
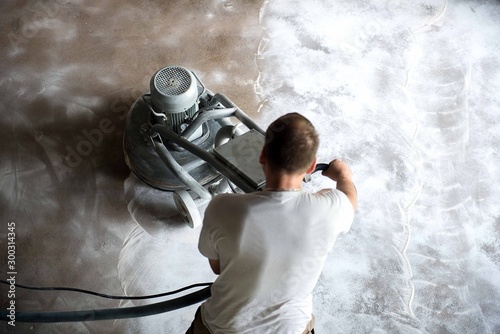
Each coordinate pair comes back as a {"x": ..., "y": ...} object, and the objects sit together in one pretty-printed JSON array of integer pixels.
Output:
[{"x": 272, "y": 247}]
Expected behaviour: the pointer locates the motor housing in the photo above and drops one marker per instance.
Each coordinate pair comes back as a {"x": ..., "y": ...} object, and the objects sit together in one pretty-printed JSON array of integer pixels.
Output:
[{"x": 174, "y": 93}]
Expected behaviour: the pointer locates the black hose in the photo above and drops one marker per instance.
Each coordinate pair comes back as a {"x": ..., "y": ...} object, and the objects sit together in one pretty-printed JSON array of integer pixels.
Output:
[
  {"x": 224, "y": 169},
  {"x": 180, "y": 172},
  {"x": 108, "y": 314},
  {"x": 103, "y": 295}
]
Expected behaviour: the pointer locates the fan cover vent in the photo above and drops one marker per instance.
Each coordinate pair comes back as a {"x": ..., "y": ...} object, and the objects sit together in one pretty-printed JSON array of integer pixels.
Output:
[
  {"x": 174, "y": 90},
  {"x": 173, "y": 81}
]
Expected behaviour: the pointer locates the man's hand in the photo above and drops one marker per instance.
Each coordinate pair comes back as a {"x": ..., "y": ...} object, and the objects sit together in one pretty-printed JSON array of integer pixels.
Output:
[{"x": 339, "y": 172}]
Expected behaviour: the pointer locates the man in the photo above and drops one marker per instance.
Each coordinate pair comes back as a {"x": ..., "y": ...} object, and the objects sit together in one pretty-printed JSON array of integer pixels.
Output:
[{"x": 269, "y": 247}]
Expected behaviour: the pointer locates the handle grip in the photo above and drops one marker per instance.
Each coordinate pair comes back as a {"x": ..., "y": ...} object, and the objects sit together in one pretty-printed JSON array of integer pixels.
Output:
[{"x": 320, "y": 167}]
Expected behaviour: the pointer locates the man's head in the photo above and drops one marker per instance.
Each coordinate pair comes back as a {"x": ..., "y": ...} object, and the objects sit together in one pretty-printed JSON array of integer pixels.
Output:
[{"x": 291, "y": 144}]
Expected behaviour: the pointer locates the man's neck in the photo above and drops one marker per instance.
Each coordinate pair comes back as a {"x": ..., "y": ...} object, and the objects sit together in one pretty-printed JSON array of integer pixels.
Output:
[{"x": 284, "y": 181}]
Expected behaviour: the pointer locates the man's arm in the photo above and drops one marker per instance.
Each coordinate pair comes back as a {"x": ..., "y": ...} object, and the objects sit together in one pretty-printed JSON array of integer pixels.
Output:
[
  {"x": 339, "y": 172},
  {"x": 215, "y": 265}
]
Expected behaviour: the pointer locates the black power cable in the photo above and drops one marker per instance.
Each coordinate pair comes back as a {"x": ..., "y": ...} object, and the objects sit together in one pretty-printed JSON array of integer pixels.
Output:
[
  {"x": 109, "y": 314},
  {"x": 105, "y": 295}
]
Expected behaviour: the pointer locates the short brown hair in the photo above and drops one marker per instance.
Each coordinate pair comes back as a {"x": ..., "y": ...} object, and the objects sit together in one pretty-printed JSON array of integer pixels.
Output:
[{"x": 291, "y": 143}]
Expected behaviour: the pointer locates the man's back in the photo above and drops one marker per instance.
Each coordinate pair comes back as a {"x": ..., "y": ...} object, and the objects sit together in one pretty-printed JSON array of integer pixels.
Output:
[{"x": 271, "y": 247}]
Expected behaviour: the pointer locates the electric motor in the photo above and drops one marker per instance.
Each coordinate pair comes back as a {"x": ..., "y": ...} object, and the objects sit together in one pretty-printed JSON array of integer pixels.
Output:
[{"x": 174, "y": 93}]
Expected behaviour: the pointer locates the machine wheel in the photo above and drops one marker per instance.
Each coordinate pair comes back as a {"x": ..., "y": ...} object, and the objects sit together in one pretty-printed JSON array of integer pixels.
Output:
[{"x": 187, "y": 208}]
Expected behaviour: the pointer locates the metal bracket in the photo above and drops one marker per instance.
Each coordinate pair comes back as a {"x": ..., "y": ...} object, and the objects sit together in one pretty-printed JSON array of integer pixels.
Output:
[{"x": 150, "y": 137}]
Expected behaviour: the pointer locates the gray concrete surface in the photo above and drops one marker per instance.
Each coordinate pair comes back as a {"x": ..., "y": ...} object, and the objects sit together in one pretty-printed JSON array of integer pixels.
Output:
[{"x": 406, "y": 92}]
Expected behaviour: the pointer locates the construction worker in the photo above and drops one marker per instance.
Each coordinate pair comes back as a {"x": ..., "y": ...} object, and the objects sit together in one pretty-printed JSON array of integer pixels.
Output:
[{"x": 269, "y": 247}]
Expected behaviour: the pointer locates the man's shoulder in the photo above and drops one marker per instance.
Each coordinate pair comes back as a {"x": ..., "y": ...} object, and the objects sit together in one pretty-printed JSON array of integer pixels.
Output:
[
  {"x": 230, "y": 196},
  {"x": 337, "y": 197},
  {"x": 327, "y": 192},
  {"x": 229, "y": 199}
]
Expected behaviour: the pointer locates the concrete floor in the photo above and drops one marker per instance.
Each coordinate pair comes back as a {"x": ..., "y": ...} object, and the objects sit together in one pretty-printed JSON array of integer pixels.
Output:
[{"x": 405, "y": 91}]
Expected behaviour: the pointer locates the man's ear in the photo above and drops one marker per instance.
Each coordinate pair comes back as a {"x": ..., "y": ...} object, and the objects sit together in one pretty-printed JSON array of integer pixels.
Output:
[
  {"x": 262, "y": 158},
  {"x": 312, "y": 167}
]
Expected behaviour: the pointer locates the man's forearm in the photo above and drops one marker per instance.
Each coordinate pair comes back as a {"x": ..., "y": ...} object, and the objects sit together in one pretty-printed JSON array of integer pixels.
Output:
[
  {"x": 339, "y": 172},
  {"x": 345, "y": 185}
]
